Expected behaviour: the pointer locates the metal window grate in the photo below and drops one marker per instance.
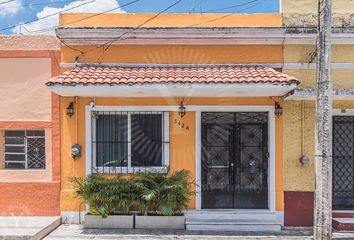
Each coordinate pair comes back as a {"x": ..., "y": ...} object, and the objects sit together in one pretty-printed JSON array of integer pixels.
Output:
[
  {"x": 128, "y": 142},
  {"x": 24, "y": 149},
  {"x": 343, "y": 162}
]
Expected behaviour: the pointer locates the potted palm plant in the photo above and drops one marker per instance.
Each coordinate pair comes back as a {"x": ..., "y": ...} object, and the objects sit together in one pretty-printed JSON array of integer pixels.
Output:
[
  {"x": 109, "y": 201},
  {"x": 166, "y": 195}
]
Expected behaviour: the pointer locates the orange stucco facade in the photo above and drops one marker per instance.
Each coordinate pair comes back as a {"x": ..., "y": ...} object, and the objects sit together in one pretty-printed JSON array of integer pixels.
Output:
[
  {"x": 182, "y": 142},
  {"x": 28, "y": 192},
  {"x": 171, "y": 20}
]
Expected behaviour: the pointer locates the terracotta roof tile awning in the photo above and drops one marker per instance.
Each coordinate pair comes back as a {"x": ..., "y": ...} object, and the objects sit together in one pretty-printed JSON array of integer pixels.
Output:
[
  {"x": 176, "y": 80},
  {"x": 91, "y": 75}
]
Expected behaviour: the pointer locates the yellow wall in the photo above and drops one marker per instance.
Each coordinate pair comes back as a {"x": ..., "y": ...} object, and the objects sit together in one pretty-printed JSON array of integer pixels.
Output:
[
  {"x": 296, "y": 141},
  {"x": 304, "y": 12},
  {"x": 300, "y": 53},
  {"x": 342, "y": 78},
  {"x": 171, "y": 20},
  {"x": 298, "y": 177},
  {"x": 176, "y": 54},
  {"x": 182, "y": 142}
]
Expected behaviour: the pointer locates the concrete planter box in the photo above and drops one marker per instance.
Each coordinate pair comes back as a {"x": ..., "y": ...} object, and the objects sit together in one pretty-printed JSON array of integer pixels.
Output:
[
  {"x": 112, "y": 221},
  {"x": 160, "y": 222}
]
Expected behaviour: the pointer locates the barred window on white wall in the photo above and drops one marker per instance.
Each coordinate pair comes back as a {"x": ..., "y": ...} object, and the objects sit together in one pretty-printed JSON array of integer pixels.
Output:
[
  {"x": 130, "y": 141},
  {"x": 24, "y": 149}
]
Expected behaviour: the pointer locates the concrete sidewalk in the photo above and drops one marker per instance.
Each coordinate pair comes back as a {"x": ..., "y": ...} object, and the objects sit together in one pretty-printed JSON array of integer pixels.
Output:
[
  {"x": 27, "y": 228},
  {"x": 75, "y": 232}
]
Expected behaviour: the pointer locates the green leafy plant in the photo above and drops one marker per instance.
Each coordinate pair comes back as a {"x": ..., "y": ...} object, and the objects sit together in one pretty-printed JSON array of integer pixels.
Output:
[
  {"x": 106, "y": 195},
  {"x": 91, "y": 190},
  {"x": 168, "y": 195}
]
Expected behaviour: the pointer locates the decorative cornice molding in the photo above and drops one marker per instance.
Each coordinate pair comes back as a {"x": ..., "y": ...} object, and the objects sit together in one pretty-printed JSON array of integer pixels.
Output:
[
  {"x": 198, "y": 36},
  {"x": 289, "y": 66},
  {"x": 310, "y": 94},
  {"x": 72, "y": 65}
]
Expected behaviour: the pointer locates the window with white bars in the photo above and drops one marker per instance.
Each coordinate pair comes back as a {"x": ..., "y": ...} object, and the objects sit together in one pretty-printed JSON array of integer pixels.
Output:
[
  {"x": 128, "y": 142},
  {"x": 24, "y": 149}
]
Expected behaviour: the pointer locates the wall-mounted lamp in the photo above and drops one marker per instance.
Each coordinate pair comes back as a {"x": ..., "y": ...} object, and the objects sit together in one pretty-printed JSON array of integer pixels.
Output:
[
  {"x": 304, "y": 160},
  {"x": 278, "y": 110},
  {"x": 70, "y": 109},
  {"x": 181, "y": 110}
]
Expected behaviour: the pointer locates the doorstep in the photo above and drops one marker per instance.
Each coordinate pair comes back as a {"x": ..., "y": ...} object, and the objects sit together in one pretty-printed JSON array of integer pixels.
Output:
[
  {"x": 233, "y": 220},
  {"x": 27, "y": 228},
  {"x": 343, "y": 224}
]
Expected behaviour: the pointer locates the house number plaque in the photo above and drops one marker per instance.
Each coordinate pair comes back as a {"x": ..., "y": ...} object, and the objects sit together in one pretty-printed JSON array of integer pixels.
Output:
[{"x": 181, "y": 124}]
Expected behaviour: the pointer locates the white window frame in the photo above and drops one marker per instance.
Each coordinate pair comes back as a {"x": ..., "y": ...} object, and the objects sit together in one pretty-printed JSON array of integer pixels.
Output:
[
  {"x": 25, "y": 145},
  {"x": 90, "y": 152},
  {"x": 271, "y": 150}
]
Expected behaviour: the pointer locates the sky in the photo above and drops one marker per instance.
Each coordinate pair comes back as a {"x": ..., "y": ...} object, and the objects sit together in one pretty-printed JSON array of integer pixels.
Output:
[{"x": 15, "y": 14}]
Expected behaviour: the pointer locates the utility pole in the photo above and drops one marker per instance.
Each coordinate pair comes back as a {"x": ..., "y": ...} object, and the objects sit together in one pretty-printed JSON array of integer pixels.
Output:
[{"x": 323, "y": 148}]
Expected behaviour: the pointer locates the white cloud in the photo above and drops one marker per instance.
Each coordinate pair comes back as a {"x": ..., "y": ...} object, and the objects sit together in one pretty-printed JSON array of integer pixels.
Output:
[
  {"x": 96, "y": 6},
  {"x": 10, "y": 8}
]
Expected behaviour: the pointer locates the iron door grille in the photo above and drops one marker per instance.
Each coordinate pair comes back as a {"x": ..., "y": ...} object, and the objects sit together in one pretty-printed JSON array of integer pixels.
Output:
[
  {"x": 343, "y": 162},
  {"x": 235, "y": 160}
]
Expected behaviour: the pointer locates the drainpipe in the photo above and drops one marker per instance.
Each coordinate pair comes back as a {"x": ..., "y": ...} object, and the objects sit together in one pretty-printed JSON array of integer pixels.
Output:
[{"x": 76, "y": 119}]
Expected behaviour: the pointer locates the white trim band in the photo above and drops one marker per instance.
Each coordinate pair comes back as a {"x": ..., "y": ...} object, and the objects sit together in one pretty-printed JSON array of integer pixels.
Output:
[{"x": 176, "y": 90}]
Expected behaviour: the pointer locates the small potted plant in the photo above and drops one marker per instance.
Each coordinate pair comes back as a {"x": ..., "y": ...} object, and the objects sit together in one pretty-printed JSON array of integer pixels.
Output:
[
  {"x": 166, "y": 195},
  {"x": 109, "y": 201}
]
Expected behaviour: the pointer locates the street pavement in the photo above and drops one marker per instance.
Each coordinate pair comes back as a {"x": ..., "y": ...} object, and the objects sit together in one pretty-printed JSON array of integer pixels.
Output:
[{"x": 76, "y": 232}]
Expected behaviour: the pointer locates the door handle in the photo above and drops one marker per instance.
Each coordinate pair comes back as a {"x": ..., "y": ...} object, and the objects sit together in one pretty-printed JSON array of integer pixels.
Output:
[{"x": 232, "y": 164}]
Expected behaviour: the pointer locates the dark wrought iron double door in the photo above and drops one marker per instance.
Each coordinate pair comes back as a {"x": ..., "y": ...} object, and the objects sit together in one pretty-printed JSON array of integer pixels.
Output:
[
  {"x": 343, "y": 162},
  {"x": 234, "y": 160}
]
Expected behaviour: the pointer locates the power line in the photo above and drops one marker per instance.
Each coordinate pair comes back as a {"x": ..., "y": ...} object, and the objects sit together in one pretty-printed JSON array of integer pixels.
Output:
[
  {"x": 82, "y": 19},
  {"x": 230, "y": 7},
  {"x": 228, "y": 15},
  {"x": 210, "y": 10},
  {"x": 109, "y": 43},
  {"x": 140, "y": 25},
  {"x": 7, "y": 1},
  {"x": 36, "y": 4},
  {"x": 195, "y": 5},
  {"x": 149, "y": 20},
  {"x": 47, "y": 16}
]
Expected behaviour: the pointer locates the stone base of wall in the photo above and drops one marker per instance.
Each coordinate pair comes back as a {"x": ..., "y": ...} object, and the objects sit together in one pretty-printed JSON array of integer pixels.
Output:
[
  {"x": 29, "y": 199},
  {"x": 298, "y": 208}
]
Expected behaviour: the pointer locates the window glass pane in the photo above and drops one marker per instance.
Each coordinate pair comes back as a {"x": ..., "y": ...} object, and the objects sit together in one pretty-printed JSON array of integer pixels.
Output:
[
  {"x": 13, "y": 165},
  {"x": 11, "y": 133},
  {"x": 15, "y": 157},
  {"x": 13, "y": 149},
  {"x": 36, "y": 153},
  {"x": 146, "y": 137},
  {"x": 37, "y": 133},
  {"x": 11, "y": 140},
  {"x": 112, "y": 140}
]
